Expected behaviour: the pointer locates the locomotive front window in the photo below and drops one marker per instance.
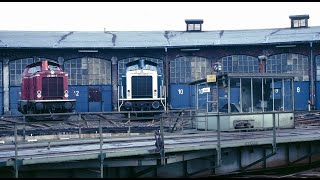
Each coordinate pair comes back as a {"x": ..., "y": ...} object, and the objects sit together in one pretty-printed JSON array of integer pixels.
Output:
[
  {"x": 53, "y": 68},
  {"x": 34, "y": 69},
  {"x": 122, "y": 65},
  {"x": 141, "y": 86}
]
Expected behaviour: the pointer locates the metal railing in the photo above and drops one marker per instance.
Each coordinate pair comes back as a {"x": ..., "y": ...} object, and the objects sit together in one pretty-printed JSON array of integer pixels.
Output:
[{"x": 182, "y": 115}]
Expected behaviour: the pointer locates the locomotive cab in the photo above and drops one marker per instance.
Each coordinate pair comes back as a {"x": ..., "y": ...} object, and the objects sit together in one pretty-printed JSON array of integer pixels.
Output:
[{"x": 44, "y": 89}]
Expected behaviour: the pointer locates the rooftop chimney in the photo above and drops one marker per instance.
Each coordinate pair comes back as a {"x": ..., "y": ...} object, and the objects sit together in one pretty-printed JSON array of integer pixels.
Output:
[
  {"x": 194, "y": 24},
  {"x": 299, "y": 21}
]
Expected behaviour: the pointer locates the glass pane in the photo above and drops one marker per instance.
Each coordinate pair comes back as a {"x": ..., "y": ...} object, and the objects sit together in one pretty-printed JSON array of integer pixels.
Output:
[
  {"x": 239, "y": 63},
  {"x": 289, "y": 63},
  {"x": 16, "y": 69},
  {"x": 235, "y": 95},
  {"x": 246, "y": 94}
]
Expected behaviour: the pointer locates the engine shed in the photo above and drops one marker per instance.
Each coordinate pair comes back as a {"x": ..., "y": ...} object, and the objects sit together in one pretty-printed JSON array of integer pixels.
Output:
[{"x": 95, "y": 60}]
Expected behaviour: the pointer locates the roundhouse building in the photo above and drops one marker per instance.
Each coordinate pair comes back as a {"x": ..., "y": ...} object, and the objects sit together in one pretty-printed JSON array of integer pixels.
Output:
[{"x": 95, "y": 60}]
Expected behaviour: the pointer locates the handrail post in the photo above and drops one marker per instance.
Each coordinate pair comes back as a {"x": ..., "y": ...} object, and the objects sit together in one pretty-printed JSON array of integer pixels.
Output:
[
  {"x": 206, "y": 121},
  {"x": 182, "y": 121},
  {"x": 274, "y": 145},
  {"x": 162, "y": 138},
  {"x": 219, "y": 141},
  {"x": 101, "y": 155},
  {"x": 129, "y": 124},
  {"x": 16, "y": 151},
  {"x": 80, "y": 133},
  {"x": 24, "y": 128}
]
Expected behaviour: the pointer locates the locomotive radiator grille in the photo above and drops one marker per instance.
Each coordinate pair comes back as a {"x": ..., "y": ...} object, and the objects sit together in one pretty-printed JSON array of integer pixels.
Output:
[
  {"x": 52, "y": 87},
  {"x": 141, "y": 87}
]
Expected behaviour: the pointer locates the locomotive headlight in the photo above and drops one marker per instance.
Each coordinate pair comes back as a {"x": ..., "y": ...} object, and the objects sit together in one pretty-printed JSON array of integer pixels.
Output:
[
  {"x": 38, "y": 94},
  {"x": 66, "y": 94},
  {"x": 155, "y": 92},
  {"x": 128, "y": 105},
  {"x": 155, "y": 104},
  {"x": 39, "y": 106},
  {"x": 67, "y": 105}
]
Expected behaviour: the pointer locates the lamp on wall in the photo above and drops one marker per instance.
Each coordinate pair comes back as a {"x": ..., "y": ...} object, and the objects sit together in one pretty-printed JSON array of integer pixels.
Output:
[
  {"x": 217, "y": 67},
  {"x": 286, "y": 46},
  {"x": 193, "y": 49},
  {"x": 87, "y": 51},
  {"x": 262, "y": 57}
]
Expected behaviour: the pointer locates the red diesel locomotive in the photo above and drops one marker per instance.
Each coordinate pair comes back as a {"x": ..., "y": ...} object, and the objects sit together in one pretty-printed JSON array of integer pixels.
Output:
[{"x": 44, "y": 89}]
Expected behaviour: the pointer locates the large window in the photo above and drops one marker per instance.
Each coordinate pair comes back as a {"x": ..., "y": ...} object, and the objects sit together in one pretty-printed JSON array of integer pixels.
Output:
[
  {"x": 239, "y": 64},
  {"x": 289, "y": 63},
  {"x": 189, "y": 68},
  {"x": 16, "y": 69},
  {"x": 88, "y": 71},
  {"x": 122, "y": 64}
]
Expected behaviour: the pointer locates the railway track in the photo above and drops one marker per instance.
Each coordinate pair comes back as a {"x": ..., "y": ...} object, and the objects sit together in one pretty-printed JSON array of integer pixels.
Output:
[
  {"x": 307, "y": 119},
  {"x": 116, "y": 123},
  {"x": 86, "y": 123}
]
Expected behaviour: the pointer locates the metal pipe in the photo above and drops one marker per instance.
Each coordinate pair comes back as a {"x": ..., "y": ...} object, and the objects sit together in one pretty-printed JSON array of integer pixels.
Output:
[
  {"x": 312, "y": 76},
  {"x": 167, "y": 69},
  {"x": 292, "y": 93},
  {"x": 218, "y": 127}
]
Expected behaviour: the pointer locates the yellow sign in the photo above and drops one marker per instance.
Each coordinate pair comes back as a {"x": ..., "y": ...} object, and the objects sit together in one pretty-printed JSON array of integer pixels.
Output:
[{"x": 211, "y": 78}]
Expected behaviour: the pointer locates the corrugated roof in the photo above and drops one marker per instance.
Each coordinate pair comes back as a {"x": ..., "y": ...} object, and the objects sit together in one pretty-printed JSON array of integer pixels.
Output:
[{"x": 153, "y": 39}]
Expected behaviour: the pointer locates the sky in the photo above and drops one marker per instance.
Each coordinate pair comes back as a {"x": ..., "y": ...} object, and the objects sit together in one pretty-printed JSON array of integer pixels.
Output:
[{"x": 151, "y": 16}]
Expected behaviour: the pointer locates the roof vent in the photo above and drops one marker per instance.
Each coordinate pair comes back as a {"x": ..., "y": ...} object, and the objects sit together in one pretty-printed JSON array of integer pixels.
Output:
[
  {"x": 194, "y": 24},
  {"x": 299, "y": 21}
]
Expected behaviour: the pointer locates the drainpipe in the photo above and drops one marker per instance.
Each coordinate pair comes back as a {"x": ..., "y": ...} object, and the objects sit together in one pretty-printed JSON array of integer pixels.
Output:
[
  {"x": 114, "y": 82},
  {"x": 312, "y": 90},
  {"x": 6, "y": 86},
  {"x": 167, "y": 72}
]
